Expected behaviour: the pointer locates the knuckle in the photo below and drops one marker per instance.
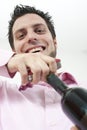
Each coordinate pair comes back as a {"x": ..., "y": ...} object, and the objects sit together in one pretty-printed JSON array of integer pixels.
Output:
[
  {"x": 36, "y": 70},
  {"x": 46, "y": 71},
  {"x": 24, "y": 74},
  {"x": 52, "y": 61}
]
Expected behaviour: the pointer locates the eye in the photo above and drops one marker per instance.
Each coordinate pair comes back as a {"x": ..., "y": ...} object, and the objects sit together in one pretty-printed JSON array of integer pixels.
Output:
[
  {"x": 20, "y": 36},
  {"x": 40, "y": 30}
]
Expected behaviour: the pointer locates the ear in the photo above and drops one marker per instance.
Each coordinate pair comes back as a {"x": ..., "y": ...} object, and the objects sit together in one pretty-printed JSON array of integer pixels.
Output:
[
  {"x": 13, "y": 50},
  {"x": 55, "y": 42}
]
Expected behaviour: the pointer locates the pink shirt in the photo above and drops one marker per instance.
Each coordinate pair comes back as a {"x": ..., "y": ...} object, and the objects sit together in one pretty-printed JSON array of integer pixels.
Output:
[{"x": 36, "y": 108}]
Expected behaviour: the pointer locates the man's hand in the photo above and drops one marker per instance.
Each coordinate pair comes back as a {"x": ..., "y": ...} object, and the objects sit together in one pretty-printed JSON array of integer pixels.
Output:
[
  {"x": 39, "y": 64},
  {"x": 74, "y": 128}
]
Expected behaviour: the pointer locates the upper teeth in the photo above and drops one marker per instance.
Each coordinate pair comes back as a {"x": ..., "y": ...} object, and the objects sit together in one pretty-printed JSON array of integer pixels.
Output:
[{"x": 36, "y": 49}]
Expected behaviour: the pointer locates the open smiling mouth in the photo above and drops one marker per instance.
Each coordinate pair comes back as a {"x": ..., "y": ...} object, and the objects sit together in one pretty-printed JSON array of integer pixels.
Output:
[{"x": 36, "y": 49}]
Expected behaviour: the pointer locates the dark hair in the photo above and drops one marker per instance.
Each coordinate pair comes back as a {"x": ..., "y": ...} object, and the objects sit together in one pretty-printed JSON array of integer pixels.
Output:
[{"x": 21, "y": 10}]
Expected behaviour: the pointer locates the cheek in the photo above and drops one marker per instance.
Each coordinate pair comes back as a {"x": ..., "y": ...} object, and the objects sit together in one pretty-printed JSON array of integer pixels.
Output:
[
  {"x": 47, "y": 37},
  {"x": 52, "y": 44},
  {"x": 52, "y": 49},
  {"x": 17, "y": 47}
]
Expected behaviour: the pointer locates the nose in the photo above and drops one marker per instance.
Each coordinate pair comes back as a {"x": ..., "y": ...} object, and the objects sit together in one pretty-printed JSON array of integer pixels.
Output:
[{"x": 32, "y": 37}]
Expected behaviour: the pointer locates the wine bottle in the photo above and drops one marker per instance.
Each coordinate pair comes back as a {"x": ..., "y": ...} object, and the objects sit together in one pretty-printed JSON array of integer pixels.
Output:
[{"x": 73, "y": 101}]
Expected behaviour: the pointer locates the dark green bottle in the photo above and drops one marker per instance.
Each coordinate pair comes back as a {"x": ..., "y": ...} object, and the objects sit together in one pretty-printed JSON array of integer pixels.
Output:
[{"x": 73, "y": 102}]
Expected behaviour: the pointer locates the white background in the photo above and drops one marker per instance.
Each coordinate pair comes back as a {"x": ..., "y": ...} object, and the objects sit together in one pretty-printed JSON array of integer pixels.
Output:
[{"x": 70, "y": 18}]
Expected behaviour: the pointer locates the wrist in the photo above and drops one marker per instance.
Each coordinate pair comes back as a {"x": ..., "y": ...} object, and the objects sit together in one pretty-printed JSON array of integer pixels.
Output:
[{"x": 11, "y": 72}]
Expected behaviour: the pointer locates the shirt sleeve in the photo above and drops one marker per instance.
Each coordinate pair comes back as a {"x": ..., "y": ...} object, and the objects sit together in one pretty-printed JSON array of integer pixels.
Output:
[{"x": 4, "y": 58}]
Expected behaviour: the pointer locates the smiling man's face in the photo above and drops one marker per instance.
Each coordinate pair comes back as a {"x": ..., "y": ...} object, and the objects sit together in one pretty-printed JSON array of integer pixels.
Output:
[{"x": 31, "y": 34}]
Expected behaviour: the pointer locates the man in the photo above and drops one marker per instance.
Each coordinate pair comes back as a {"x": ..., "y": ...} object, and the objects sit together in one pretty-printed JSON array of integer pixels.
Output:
[{"x": 34, "y": 105}]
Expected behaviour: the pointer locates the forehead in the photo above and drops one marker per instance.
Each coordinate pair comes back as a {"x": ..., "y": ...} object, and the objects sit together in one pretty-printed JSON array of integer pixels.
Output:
[{"x": 28, "y": 20}]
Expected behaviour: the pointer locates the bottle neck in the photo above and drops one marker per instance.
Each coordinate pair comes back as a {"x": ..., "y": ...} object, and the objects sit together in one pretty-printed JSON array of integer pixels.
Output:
[{"x": 56, "y": 83}]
